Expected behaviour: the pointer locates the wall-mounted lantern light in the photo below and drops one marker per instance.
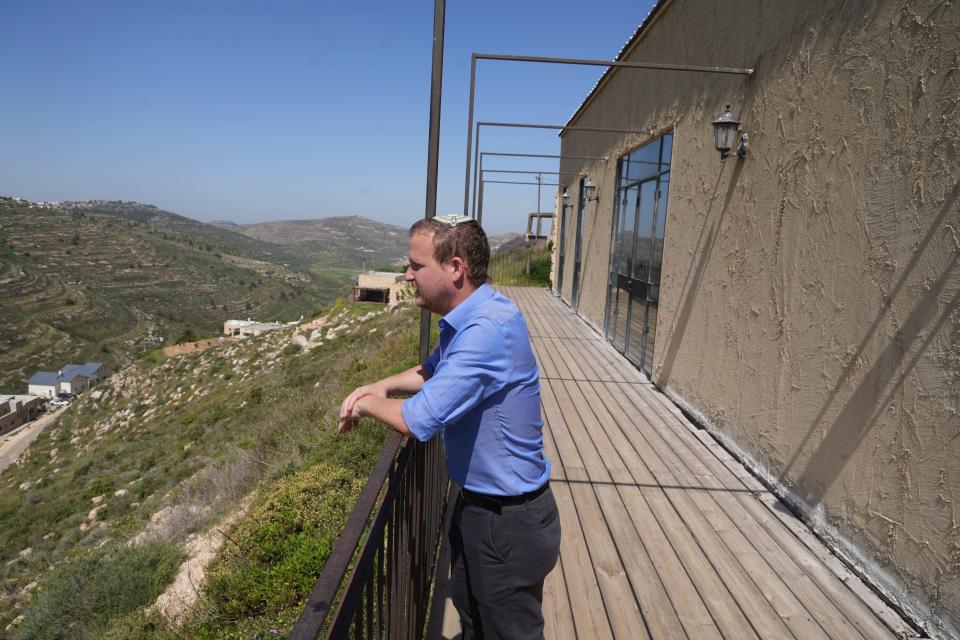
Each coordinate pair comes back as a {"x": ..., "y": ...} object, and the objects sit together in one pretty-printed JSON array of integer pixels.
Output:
[
  {"x": 589, "y": 189},
  {"x": 565, "y": 197},
  {"x": 726, "y": 128}
]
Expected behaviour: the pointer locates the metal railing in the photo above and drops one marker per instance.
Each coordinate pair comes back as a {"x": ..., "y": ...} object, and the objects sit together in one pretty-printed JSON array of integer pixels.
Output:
[{"x": 388, "y": 591}]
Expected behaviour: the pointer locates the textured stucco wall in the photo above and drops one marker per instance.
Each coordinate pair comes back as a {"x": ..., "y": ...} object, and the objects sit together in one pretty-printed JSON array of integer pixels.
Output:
[{"x": 810, "y": 293}]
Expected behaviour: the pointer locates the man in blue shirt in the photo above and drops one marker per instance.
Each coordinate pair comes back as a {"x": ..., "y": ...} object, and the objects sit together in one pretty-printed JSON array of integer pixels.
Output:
[{"x": 480, "y": 391}]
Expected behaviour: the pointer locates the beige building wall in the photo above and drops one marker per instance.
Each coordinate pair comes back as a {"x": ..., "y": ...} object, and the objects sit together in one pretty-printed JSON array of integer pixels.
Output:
[
  {"x": 18, "y": 410},
  {"x": 75, "y": 385},
  {"x": 810, "y": 293},
  {"x": 393, "y": 282}
]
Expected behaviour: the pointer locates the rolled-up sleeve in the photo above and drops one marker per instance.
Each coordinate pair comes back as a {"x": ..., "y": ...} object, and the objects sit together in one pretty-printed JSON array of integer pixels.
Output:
[{"x": 473, "y": 368}]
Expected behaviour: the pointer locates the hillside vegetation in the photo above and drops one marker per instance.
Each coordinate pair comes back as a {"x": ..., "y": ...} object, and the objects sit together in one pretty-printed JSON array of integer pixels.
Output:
[
  {"x": 106, "y": 281},
  {"x": 233, "y": 447},
  {"x": 520, "y": 262}
]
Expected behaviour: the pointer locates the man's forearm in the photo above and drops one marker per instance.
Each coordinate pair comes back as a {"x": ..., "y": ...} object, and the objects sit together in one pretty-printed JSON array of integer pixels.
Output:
[
  {"x": 385, "y": 410},
  {"x": 409, "y": 381}
]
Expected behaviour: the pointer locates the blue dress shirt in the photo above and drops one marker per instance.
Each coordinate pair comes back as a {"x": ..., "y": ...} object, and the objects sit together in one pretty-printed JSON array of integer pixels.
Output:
[{"x": 483, "y": 396}]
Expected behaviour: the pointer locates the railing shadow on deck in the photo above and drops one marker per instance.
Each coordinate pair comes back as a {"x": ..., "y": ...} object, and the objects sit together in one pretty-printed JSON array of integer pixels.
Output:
[{"x": 401, "y": 512}]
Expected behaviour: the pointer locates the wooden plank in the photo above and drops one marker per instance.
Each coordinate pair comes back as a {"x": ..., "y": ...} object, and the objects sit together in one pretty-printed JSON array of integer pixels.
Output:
[
  {"x": 737, "y": 535},
  {"x": 763, "y": 507},
  {"x": 659, "y": 610},
  {"x": 825, "y": 595},
  {"x": 589, "y": 613},
  {"x": 654, "y": 602},
  {"x": 596, "y": 353},
  {"x": 560, "y": 364},
  {"x": 568, "y": 456},
  {"x": 557, "y": 607},
  {"x": 544, "y": 359},
  {"x": 588, "y": 369},
  {"x": 623, "y": 612},
  {"x": 575, "y": 370},
  {"x": 681, "y": 565},
  {"x": 750, "y": 598}
]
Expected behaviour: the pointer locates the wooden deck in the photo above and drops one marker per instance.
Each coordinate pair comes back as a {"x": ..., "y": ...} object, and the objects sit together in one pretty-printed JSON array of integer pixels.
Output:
[{"x": 665, "y": 535}]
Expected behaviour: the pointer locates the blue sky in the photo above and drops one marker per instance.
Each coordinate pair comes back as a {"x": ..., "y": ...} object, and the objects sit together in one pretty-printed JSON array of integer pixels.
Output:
[{"x": 252, "y": 111}]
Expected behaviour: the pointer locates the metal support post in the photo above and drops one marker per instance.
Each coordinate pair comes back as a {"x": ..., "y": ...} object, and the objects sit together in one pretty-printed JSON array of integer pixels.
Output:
[{"x": 433, "y": 147}]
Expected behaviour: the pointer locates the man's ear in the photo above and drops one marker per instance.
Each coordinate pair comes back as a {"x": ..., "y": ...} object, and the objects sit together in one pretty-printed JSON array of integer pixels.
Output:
[{"x": 458, "y": 269}]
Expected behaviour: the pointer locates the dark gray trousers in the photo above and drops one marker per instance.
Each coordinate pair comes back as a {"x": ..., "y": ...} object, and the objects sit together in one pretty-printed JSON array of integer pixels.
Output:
[{"x": 499, "y": 560}]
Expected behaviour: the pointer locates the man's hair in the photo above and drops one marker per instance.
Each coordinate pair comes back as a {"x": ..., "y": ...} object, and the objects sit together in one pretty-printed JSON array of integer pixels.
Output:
[{"x": 465, "y": 239}]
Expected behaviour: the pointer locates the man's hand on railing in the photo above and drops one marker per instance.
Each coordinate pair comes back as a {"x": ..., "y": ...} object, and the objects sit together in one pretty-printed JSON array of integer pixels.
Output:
[
  {"x": 349, "y": 414},
  {"x": 386, "y": 410},
  {"x": 409, "y": 381}
]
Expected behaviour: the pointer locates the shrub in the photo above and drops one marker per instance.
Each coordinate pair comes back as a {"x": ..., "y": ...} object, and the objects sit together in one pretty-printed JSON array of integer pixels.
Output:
[
  {"x": 540, "y": 271},
  {"x": 79, "y": 597},
  {"x": 282, "y": 545}
]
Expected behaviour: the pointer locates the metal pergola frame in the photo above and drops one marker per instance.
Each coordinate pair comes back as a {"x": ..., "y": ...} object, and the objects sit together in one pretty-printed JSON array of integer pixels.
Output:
[
  {"x": 539, "y": 183},
  {"x": 527, "y": 125},
  {"x": 619, "y": 64}
]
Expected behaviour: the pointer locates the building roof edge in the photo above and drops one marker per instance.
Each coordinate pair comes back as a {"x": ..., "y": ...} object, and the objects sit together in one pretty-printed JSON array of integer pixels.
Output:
[{"x": 638, "y": 33}]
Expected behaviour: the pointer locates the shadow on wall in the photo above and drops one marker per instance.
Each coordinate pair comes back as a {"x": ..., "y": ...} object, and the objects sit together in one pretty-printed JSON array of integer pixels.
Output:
[
  {"x": 691, "y": 286},
  {"x": 864, "y": 405}
]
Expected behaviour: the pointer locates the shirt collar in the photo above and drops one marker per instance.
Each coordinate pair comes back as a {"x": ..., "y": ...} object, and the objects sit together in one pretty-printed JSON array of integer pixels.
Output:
[{"x": 462, "y": 312}]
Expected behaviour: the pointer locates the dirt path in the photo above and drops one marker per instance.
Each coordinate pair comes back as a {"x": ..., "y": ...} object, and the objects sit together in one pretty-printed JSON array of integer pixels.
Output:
[
  {"x": 184, "y": 591},
  {"x": 17, "y": 441}
]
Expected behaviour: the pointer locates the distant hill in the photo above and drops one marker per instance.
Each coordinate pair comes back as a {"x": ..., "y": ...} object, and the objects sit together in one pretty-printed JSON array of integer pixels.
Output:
[
  {"x": 502, "y": 239},
  {"x": 105, "y": 281},
  {"x": 348, "y": 241}
]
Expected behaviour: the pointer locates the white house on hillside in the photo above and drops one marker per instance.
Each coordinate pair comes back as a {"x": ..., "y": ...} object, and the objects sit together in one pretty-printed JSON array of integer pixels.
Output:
[
  {"x": 72, "y": 378},
  {"x": 247, "y": 328},
  {"x": 45, "y": 384}
]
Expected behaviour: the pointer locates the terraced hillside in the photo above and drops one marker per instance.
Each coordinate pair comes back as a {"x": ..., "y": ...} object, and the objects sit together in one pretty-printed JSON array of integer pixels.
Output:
[
  {"x": 227, "y": 459},
  {"x": 348, "y": 241},
  {"x": 107, "y": 281}
]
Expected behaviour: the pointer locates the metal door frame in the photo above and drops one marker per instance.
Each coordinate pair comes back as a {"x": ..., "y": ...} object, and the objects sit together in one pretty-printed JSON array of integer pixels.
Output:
[{"x": 577, "y": 252}]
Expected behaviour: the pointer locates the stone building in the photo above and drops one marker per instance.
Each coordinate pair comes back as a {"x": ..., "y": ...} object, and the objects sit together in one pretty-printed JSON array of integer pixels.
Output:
[
  {"x": 800, "y": 303},
  {"x": 380, "y": 286}
]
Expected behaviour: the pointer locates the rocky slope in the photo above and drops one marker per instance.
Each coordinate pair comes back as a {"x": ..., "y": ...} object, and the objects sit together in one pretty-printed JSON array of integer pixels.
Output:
[{"x": 166, "y": 453}]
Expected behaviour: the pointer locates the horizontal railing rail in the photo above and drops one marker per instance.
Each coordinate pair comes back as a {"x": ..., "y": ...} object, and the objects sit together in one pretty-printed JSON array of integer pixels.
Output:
[{"x": 387, "y": 592}]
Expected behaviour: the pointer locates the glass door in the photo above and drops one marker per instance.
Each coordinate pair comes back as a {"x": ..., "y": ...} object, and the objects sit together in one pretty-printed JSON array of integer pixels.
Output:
[{"x": 636, "y": 252}]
